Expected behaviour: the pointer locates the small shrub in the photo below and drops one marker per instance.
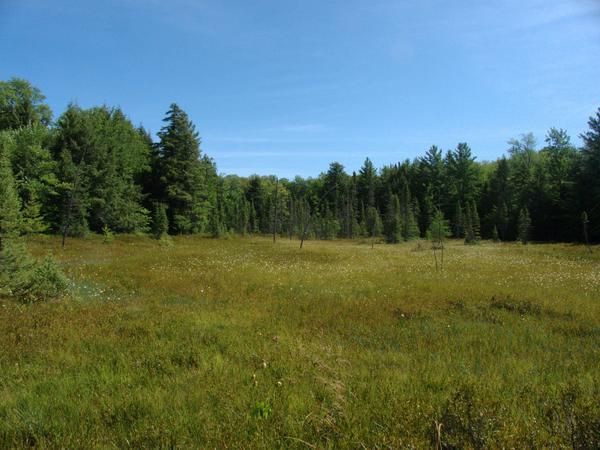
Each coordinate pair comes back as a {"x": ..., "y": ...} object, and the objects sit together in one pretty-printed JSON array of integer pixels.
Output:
[
  {"x": 40, "y": 282},
  {"x": 107, "y": 234}
]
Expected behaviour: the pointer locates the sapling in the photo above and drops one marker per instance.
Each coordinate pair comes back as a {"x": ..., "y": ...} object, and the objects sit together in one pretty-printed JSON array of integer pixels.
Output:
[{"x": 438, "y": 232}]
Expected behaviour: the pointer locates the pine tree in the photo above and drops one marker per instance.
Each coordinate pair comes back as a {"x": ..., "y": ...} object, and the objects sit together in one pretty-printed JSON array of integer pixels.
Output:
[
  {"x": 438, "y": 232},
  {"x": 459, "y": 221},
  {"x": 524, "y": 226},
  {"x": 475, "y": 222},
  {"x": 409, "y": 226},
  {"x": 72, "y": 149},
  {"x": 495, "y": 236},
  {"x": 373, "y": 224},
  {"x": 502, "y": 220},
  {"x": 363, "y": 224},
  {"x": 33, "y": 222},
  {"x": 20, "y": 275},
  {"x": 160, "y": 221},
  {"x": 469, "y": 230},
  {"x": 182, "y": 176},
  {"x": 393, "y": 228},
  {"x": 10, "y": 207}
]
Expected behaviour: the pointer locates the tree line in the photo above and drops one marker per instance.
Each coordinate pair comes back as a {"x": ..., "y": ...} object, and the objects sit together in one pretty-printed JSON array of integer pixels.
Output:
[{"x": 93, "y": 170}]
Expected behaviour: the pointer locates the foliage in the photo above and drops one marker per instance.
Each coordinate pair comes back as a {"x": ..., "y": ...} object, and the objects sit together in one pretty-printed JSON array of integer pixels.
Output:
[
  {"x": 20, "y": 275},
  {"x": 107, "y": 235},
  {"x": 40, "y": 281},
  {"x": 438, "y": 229},
  {"x": 160, "y": 221},
  {"x": 185, "y": 179},
  {"x": 524, "y": 226},
  {"x": 22, "y": 105},
  {"x": 93, "y": 167},
  {"x": 373, "y": 220}
]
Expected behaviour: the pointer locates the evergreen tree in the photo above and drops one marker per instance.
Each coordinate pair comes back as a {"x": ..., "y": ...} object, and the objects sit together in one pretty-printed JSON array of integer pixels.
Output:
[
  {"x": 469, "y": 229},
  {"x": 409, "y": 226},
  {"x": 393, "y": 228},
  {"x": 34, "y": 171},
  {"x": 502, "y": 220},
  {"x": 20, "y": 275},
  {"x": 459, "y": 221},
  {"x": 367, "y": 183},
  {"x": 475, "y": 222},
  {"x": 432, "y": 165},
  {"x": 182, "y": 176},
  {"x": 495, "y": 235},
  {"x": 589, "y": 179},
  {"x": 438, "y": 232},
  {"x": 70, "y": 148},
  {"x": 10, "y": 208},
  {"x": 462, "y": 174},
  {"x": 253, "y": 221},
  {"x": 160, "y": 221},
  {"x": 363, "y": 223},
  {"x": 524, "y": 226},
  {"x": 33, "y": 222},
  {"x": 373, "y": 224}
]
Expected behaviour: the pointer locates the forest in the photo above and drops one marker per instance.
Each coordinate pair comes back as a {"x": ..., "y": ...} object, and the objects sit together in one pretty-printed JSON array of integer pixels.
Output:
[
  {"x": 125, "y": 324},
  {"x": 93, "y": 170}
]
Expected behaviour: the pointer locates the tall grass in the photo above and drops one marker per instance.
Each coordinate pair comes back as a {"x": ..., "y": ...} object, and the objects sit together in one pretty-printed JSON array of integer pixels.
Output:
[{"x": 240, "y": 343}]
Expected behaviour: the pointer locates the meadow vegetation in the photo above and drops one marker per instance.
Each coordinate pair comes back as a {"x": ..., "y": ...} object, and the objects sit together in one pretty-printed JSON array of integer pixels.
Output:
[{"x": 239, "y": 343}]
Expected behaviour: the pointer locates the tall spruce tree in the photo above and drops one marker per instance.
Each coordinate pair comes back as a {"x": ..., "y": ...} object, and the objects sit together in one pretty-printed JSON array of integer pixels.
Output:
[
  {"x": 71, "y": 149},
  {"x": 182, "y": 177}
]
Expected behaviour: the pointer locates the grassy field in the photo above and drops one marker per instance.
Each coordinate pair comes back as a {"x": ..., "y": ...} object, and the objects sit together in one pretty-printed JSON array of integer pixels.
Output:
[{"x": 244, "y": 344}]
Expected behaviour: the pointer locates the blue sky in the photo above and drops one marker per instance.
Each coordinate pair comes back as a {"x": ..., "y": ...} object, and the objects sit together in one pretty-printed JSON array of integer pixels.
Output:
[{"x": 286, "y": 87}]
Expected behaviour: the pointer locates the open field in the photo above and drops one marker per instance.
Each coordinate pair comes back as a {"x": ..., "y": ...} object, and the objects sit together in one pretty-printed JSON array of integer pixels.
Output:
[{"x": 244, "y": 344}]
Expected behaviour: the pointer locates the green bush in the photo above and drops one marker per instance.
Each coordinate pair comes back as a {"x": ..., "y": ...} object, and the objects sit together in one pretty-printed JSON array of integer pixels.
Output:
[{"x": 41, "y": 281}]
